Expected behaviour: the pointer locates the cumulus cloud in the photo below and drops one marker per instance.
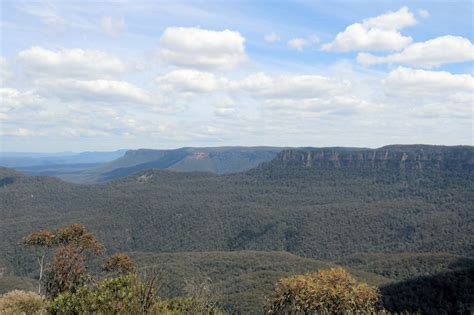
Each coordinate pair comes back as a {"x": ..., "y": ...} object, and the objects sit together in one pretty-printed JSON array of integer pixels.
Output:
[
  {"x": 112, "y": 26},
  {"x": 272, "y": 38},
  {"x": 340, "y": 105},
  {"x": 295, "y": 95},
  {"x": 423, "y": 82},
  {"x": 70, "y": 62},
  {"x": 12, "y": 99},
  {"x": 95, "y": 90},
  {"x": 202, "y": 49},
  {"x": 289, "y": 86},
  {"x": 431, "y": 93},
  {"x": 193, "y": 81},
  {"x": 378, "y": 33},
  {"x": 430, "y": 54}
]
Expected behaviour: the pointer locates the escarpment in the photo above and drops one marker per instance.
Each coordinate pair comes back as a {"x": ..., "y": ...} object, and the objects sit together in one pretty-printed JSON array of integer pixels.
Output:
[{"x": 403, "y": 158}]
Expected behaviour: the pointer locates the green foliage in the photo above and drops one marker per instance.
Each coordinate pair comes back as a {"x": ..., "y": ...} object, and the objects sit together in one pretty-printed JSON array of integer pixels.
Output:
[
  {"x": 183, "y": 305},
  {"x": 239, "y": 280},
  {"x": 329, "y": 291},
  {"x": 22, "y": 303},
  {"x": 320, "y": 212},
  {"x": 121, "y": 295}
]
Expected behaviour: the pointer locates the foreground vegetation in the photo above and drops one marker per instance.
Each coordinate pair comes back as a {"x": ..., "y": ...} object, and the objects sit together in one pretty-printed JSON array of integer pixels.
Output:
[{"x": 70, "y": 289}]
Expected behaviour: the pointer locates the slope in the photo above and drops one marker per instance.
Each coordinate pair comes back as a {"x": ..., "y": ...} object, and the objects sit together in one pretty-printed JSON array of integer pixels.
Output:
[
  {"x": 408, "y": 200},
  {"x": 220, "y": 160}
]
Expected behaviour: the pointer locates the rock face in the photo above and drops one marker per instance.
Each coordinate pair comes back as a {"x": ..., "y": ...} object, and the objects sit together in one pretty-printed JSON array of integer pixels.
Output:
[{"x": 403, "y": 158}]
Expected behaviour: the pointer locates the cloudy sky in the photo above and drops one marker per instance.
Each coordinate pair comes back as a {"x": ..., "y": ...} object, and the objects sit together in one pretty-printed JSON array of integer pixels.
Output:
[{"x": 103, "y": 75}]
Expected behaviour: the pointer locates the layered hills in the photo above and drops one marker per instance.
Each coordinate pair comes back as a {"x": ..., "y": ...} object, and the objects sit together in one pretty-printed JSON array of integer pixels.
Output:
[
  {"x": 331, "y": 205},
  {"x": 220, "y": 160}
]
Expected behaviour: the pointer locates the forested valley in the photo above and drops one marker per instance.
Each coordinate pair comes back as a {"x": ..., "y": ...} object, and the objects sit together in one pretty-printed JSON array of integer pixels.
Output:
[{"x": 399, "y": 218}]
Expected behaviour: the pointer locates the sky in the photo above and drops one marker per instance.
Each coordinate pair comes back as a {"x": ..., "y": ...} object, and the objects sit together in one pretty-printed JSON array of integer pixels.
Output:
[{"x": 125, "y": 74}]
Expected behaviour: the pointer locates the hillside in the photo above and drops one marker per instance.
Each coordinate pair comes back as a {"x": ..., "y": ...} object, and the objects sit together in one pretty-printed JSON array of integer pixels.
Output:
[
  {"x": 31, "y": 161},
  {"x": 220, "y": 160},
  {"x": 239, "y": 280},
  {"x": 321, "y": 212},
  {"x": 404, "y": 266}
]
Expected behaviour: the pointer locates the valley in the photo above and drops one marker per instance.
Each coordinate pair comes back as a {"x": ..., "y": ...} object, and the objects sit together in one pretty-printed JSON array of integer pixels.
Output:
[{"x": 390, "y": 215}]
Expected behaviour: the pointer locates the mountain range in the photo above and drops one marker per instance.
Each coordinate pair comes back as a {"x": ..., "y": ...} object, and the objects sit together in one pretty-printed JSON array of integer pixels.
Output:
[
  {"x": 96, "y": 167},
  {"x": 392, "y": 214}
]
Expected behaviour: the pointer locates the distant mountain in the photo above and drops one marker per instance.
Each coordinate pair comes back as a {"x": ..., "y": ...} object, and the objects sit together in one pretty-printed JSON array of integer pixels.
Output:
[
  {"x": 405, "y": 158},
  {"x": 219, "y": 160},
  {"x": 32, "y": 160}
]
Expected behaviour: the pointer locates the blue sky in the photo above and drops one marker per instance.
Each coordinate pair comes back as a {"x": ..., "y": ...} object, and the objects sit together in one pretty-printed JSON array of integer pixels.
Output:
[{"x": 104, "y": 75}]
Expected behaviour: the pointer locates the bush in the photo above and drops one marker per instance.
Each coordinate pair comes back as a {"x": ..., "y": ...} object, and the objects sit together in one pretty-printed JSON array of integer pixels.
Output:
[
  {"x": 22, "y": 303},
  {"x": 329, "y": 291},
  {"x": 119, "y": 263},
  {"x": 183, "y": 305},
  {"x": 122, "y": 295}
]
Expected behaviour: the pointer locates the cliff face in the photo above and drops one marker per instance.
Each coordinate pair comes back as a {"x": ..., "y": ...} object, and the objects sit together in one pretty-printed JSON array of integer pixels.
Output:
[{"x": 404, "y": 158}]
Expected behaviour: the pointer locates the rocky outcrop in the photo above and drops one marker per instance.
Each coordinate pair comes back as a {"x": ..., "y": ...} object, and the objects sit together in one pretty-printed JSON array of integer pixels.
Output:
[{"x": 403, "y": 158}]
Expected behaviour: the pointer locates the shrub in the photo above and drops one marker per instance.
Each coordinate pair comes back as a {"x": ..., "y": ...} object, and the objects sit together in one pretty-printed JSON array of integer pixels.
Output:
[
  {"x": 329, "y": 291},
  {"x": 119, "y": 263},
  {"x": 122, "y": 295},
  {"x": 184, "y": 305},
  {"x": 22, "y": 303}
]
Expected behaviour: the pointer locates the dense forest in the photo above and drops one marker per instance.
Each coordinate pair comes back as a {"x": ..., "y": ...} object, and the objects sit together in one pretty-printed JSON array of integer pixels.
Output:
[{"x": 355, "y": 207}]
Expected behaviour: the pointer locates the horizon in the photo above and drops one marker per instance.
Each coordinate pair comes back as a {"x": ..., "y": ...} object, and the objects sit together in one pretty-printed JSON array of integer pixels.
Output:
[
  {"x": 102, "y": 76},
  {"x": 235, "y": 146}
]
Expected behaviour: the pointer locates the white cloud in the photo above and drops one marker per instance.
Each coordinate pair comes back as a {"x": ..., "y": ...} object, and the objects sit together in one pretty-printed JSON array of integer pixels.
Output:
[
  {"x": 193, "y": 81},
  {"x": 377, "y": 33},
  {"x": 297, "y": 43},
  {"x": 12, "y": 99},
  {"x": 112, "y": 26},
  {"x": 70, "y": 62},
  {"x": 341, "y": 105},
  {"x": 200, "y": 48},
  {"x": 290, "y": 86},
  {"x": 431, "y": 93},
  {"x": 17, "y": 132},
  {"x": 424, "y": 13},
  {"x": 423, "y": 82},
  {"x": 95, "y": 90},
  {"x": 225, "y": 111},
  {"x": 300, "y": 43},
  {"x": 429, "y": 54},
  {"x": 5, "y": 73},
  {"x": 272, "y": 38}
]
